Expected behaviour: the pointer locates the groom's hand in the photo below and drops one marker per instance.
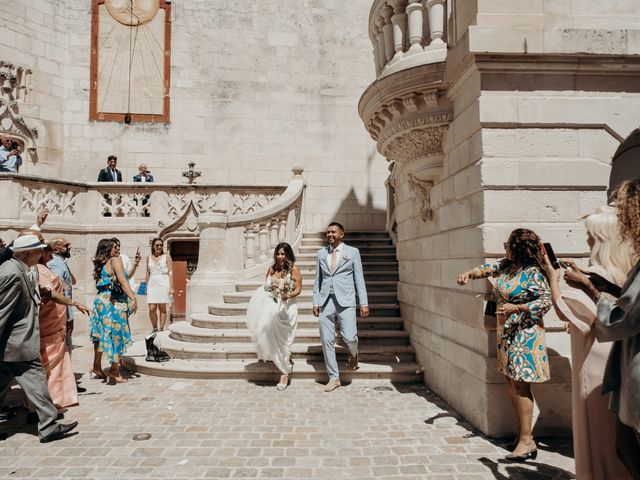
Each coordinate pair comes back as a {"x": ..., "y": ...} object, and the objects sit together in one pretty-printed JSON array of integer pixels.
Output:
[
  {"x": 364, "y": 311},
  {"x": 316, "y": 311}
]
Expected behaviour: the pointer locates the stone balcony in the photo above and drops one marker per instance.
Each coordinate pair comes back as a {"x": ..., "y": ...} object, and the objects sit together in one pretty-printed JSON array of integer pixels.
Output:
[
  {"x": 407, "y": 33},
  {"x": 406, "y": 109}
]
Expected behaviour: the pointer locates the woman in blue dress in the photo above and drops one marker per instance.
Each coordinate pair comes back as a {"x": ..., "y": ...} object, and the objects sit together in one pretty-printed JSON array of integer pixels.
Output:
[
  {"x": 109, "y": 321},
  {"x": 524, "y": 296}
]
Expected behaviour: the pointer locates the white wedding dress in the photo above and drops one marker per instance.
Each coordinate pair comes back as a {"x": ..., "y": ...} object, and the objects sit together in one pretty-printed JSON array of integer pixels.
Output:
[{"x": 273, "y": 326}]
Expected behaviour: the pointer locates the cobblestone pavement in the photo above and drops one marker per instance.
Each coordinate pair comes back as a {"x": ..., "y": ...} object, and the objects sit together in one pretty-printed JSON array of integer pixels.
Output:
[{"x": 238, "y": 429}]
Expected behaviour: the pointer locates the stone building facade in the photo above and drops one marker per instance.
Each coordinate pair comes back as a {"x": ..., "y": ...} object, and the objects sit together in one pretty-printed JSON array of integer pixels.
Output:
[
  {"x": 491, "y": 115},
  {"x": 494, "y": 115}
]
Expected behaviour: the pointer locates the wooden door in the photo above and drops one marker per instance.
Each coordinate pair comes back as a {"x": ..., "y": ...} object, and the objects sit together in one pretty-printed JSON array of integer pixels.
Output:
[{"x": 185, "y": 260}]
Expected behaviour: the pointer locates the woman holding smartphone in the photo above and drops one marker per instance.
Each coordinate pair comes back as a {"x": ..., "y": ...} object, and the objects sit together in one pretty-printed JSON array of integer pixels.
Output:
[
  {"x": 594, "y": 425},
  {"x": 159, "y": 284},
  {"x": 524, "y": 298},
  {"x": 619, "y": 321}
]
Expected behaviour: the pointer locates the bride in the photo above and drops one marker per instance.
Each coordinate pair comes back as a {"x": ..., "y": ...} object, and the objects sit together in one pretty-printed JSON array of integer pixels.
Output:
[{"x": 273, "y": 312}]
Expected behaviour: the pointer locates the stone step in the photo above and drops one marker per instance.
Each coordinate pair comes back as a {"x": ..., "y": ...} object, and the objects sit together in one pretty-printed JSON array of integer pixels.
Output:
[
  {"x": 186, "y": 332},
  {"x": 204, "y": 320},
  {"x": 378, "y": 275},
  {"x": 307, "y": 296},
  {"x": 369, "y": 267},
  {"x": 253, "y": 370},
  {"x": 350, "y": 235},
  {"x": 307, "y": 285},
  {"x": 375, "y": 257},
  {"x": 361, "y": 245},
  {"x": 308, "y": 351},
  {"x": 232, "y": 309},
  {"x": 366, "y": 249}
]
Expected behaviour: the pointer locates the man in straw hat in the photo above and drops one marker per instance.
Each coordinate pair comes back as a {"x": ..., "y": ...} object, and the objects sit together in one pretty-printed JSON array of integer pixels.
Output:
[{"x": 20, "y": 335}]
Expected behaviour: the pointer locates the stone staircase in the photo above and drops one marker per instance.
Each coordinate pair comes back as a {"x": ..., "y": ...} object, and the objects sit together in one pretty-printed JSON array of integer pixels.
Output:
[{"x": 217, "y": 344}]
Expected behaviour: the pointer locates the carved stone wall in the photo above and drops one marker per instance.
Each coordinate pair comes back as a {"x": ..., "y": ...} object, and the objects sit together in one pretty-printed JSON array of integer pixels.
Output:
[{"x": 245, "y": 106}]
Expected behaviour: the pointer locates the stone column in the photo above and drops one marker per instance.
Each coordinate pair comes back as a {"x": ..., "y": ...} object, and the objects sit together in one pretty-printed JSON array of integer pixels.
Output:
[
  {"x": 387, "y": 30},
  {"x": 399, "y": 21},
  {"x": 436, "y": 23},
  {"x": 414, "y": 12},
  {"x": 376, "y": 47},
  {"x": 382, "y": 57},
  {"x": 220, "y": 257}
]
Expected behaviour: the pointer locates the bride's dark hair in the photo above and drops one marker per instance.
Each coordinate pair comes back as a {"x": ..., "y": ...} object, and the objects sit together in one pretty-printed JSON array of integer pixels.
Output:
[{"x": 290, "y": 257}]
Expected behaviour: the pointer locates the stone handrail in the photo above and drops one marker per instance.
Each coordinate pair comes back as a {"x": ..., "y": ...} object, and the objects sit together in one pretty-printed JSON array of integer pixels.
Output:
[
  {"x": 407, "y": 33},
  {"x": 240, "y": 246},
  {"x": 100, "y": 206}
]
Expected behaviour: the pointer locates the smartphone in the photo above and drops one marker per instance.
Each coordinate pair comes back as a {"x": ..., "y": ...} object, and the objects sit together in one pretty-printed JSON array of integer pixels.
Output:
[{"x": 552, "y": 256}]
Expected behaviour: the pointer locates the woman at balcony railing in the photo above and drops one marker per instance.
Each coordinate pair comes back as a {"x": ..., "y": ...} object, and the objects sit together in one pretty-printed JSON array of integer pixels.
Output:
[
  {"x": 272, "y": 315},
  {"x": 109, "y": 321}
]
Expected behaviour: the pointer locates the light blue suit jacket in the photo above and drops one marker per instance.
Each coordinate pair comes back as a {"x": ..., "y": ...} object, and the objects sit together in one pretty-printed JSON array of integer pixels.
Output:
[{"x": 344, "y": 282}]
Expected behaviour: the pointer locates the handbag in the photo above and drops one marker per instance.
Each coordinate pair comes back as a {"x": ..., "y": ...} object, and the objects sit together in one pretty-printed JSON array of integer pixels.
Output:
[
  {"x": 116, "y": 288},
  {"x": 142, "y": 289}
]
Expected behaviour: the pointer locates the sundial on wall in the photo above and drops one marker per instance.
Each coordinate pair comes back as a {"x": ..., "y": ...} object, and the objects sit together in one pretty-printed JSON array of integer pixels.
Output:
[{"x": 130, "y": 60}]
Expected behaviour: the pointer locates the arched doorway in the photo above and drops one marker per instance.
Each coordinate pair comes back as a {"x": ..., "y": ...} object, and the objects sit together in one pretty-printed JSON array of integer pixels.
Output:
[
  {"x": 625, "y": 164},
  {"x": 184, "y": 254}
]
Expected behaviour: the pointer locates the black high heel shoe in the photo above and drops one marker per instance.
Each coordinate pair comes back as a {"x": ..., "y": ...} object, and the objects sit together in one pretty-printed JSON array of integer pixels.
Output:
[
  {"x": 532, "y": 454},
  {"x": 151, "y": 349}
]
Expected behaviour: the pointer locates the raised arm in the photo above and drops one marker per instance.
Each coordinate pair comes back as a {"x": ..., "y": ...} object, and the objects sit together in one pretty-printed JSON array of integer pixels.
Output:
[{"x": 483, "y": 271}]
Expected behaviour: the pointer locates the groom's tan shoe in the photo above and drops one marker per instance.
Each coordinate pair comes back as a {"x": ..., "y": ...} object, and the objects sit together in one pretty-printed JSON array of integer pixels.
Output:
[{"x": 332, "y": 385}]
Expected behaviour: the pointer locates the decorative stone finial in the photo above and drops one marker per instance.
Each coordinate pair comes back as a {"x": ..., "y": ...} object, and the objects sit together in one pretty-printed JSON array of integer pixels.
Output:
[
  {"x": 191, "y": 174},
  {"x": 297, "y": 170}
]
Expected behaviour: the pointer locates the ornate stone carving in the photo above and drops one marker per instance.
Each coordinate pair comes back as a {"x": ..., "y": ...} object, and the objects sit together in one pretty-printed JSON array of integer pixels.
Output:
[
  {"x": 413, "y": 144},
  {"x": 203, "y": 203},
  {"x": 422, "y": 190},
  {"x": 15, "y": 82},
  {"x": 249, "y": 203},
  {"x": 58, "y": 202},
  {"x": 125, "y": 205}
]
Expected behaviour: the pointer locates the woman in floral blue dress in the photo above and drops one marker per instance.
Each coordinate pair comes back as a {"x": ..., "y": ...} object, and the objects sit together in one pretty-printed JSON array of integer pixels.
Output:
[
  {"x": 524, "y": 296},
  {"x": 109, "y": 321}
]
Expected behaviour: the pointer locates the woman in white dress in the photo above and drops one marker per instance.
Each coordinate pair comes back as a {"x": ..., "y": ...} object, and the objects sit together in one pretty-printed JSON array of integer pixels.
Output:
[
  {"x": 272, "y": 315},
  {"x": 159, "y": 283}
]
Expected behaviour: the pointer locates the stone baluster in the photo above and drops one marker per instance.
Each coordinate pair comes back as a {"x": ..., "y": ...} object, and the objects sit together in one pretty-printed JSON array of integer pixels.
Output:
[
  {"x": 382, "y": 57},
  {"x": 387, "y": 30},
  {"x": 436, "y": 23},
  {"x": 414, "y": 12},
  {"x": 282, "y": 233},
  {"x": 263, "y": 242},
  {"x": 250, "y": 247},
  {"x": 273, "y": 234},
  {"x": 376, "y": 46},
  {"x": 399, "y": 21}
]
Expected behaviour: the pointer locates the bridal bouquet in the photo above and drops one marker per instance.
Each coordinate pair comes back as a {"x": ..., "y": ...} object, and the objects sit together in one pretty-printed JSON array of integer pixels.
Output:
[{"x": 281, "y": 288}]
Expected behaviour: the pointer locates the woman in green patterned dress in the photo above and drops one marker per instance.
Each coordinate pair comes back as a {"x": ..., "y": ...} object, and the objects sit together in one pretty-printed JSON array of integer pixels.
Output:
[{"x": 524, "y": 296}]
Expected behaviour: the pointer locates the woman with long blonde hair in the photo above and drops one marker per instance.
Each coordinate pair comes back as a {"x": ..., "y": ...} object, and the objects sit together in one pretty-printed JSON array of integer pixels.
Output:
[
  {"x": 594, "y": 426},
  {"x": 619, "y": 321}
]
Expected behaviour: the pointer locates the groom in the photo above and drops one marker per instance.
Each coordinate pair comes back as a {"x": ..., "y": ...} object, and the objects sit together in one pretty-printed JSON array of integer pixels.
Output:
[{"x": 338, "y": 277}]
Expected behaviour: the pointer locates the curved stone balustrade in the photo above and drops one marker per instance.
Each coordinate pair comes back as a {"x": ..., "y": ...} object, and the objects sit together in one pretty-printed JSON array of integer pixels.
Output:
[
  {"x": 240, "y": 246},
  {"x": 407, "y": 33},
  {"x": 149, "y": 206}
]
